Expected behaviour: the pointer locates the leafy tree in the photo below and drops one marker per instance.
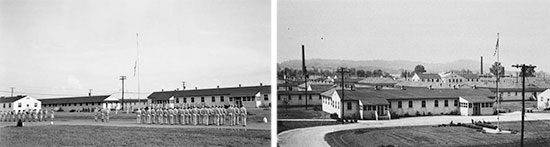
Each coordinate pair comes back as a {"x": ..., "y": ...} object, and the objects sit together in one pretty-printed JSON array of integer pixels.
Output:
[
  {"x": 361, "y": 73},
  {"x": 497, "y": 67},
  {"x": 419, "y": 69},
  {"x": 529, "y": 72},
  {"x": 377, "y": 73}
]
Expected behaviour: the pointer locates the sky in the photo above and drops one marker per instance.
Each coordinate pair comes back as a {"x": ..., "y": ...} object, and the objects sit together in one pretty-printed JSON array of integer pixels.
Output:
[
  {"x": 430, "y": 31},
  {"x": 64, "y": 47}
]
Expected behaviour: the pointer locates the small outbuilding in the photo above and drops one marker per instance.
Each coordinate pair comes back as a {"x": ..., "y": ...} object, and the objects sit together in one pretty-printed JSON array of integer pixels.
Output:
[
  {"x": 476, "y": 105},
  {"x": 543, "y": 99}
]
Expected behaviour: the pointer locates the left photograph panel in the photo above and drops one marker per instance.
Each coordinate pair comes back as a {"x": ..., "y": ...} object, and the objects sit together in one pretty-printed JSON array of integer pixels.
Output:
[{"x": 135, "y": 73}]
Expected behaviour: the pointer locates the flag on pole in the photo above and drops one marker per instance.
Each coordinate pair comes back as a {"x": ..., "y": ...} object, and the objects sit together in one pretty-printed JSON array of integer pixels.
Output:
[
  {"x": 496, "y": 48},
  {"x": 135, "y": 67}
]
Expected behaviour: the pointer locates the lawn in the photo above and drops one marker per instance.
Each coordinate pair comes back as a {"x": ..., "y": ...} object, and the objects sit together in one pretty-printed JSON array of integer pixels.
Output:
[
  {"x": 301, "y": 113},
  {"x": 130, "y": 136},
  {"x": 537, "y": 134}
]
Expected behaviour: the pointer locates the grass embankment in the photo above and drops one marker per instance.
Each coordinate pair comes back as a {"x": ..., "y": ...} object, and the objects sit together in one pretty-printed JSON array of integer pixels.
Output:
[
  {"x": 301, "y": 113},
  {"x": 537, "y": 134},
  {"x": 129, "y": 136}
]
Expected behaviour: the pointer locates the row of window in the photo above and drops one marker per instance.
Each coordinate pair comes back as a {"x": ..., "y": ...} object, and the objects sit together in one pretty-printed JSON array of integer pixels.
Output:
[
  {"x": 18, "y": 105},
  {"x": 423, "y": 103},
  {"x": 70, "y": 104},
  {"x": 373, "y": 108},
  {"x": 221, "y": 99},
  {"x": 333, "y": 104},
  {"x": 450, "y": 80},
  {"x": 299, "y": 97}
]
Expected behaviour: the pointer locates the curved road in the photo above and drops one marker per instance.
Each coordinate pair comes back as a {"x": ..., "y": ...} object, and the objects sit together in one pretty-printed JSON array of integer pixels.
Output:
[{"x": 314, "y": 136}]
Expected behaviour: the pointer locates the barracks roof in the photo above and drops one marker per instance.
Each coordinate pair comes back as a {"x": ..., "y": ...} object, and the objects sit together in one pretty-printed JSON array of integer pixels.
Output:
[
  {"x": 374, "y": 97},
  {"x": 378, "y": 81},
  {"x": 231, "y": 91},
  {"x": 11, "y": 99},
  {"x": 429, "y": 76},
  {"x": 81, "y": 99},
  {"x": 477, "y": 99}
]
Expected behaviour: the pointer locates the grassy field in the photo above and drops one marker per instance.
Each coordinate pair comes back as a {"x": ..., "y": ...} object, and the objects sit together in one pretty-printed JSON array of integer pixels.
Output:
[
  {"x": 129, "y": 136},
  {"x": 287, "y": 125},
  {"x": 301, "y": 113},
  {"x": 537, "y": 134}
]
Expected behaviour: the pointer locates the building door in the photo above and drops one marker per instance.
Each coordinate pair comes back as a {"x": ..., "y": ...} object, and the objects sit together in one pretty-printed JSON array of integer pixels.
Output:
[
  {"x": 477, "y": 109},
  {"x": 381, "y": 110},
  {"x": 238, "y": 101}
]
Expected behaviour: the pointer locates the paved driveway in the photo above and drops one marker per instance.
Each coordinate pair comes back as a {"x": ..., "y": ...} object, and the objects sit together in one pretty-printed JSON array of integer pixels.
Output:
[{"x": 314, "y": 136}]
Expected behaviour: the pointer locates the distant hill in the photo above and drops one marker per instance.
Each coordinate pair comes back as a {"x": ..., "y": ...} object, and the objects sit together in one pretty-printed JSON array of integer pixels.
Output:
[{"x": 393, "y": 66}]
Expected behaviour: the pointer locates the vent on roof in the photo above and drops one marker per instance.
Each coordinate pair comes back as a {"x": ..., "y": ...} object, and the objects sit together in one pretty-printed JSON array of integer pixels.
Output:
[
  {"x": 261, "y": 84},
  {"x": 218, "y": 86},
  {"x": 239, "y": 85},
  {"x": 430, "y": 87}
]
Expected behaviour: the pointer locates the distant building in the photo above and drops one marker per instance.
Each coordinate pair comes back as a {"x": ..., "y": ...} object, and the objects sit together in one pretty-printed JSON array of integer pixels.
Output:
[
  {"x": 20, "y": 102},
  {"x": 427, "y": 77},
  {"x": 543, "y": 101},
  {"x": 371, "y": 103},
  {"x": 250, "y": 97},
  {"x": 81, "y": 103},
  {"x": 298, "y": 98}
]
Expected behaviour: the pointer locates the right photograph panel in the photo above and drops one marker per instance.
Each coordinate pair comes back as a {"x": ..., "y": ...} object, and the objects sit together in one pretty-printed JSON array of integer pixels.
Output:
[{"x": 404, "y": 73}]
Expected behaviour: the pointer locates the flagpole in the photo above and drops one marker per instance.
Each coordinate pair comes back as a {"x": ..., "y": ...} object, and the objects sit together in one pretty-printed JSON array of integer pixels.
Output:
[
  {"x": 137, "y": 68},
  {"x": 498, "y": 80}
]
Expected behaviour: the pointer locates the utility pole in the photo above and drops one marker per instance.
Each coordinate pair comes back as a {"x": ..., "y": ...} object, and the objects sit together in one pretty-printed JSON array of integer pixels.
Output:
[
  {"x": 122, "y": 78},
  {"x": 524, "y": 68},
  {"x": 342, "y": 71},
  {"x": 12, "y": 91},
  {"x": 304, "y": 71}
]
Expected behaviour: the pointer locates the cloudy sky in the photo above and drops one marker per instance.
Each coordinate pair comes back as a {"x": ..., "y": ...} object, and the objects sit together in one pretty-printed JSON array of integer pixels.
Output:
[
  {"x": 65, "y": 47},
  {"x": 425, "y": 30}
]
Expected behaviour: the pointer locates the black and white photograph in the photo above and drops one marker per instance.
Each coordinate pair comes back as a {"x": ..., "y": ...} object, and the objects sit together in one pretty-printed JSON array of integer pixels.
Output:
[
  {"x": 413, "y": 73},
  {"x": 135, "y": 73}
]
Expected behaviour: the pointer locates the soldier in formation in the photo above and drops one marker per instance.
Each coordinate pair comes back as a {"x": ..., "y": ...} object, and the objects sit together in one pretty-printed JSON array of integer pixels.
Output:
[{"x": 192, "y": 115}]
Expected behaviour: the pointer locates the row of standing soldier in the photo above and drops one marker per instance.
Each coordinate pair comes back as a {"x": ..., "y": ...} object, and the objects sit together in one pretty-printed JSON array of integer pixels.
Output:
[
  {"x": 101, "y": 113},
  {"x": 193, "y": 115},
  {"x": 31, "y": 115}
]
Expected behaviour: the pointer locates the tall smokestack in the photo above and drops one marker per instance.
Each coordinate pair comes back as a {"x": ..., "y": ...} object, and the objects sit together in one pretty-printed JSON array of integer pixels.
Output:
[
  {"x": 481, "y": 65},
  {"x": 304, "y": 70}
]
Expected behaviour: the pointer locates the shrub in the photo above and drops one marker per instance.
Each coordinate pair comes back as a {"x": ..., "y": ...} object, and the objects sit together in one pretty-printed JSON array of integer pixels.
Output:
[
  {"x": 429, "y": 113},
  {"x": 417, "y": 113},
  {"x": 72, "y": 110},
  {"x": 334, "y": 116},
  {"x": 317, "y": 108}
]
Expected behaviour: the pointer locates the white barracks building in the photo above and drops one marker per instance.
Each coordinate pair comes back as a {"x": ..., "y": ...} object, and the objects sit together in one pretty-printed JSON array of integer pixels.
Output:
[
  {"x": 249, "y": 97},
  {"x": 19, "y": 102}
]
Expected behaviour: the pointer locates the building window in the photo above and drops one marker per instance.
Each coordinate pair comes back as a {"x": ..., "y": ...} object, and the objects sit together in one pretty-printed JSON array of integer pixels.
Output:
[
  {"x": 349, "y": 105},
  {"x": 9, "y": 105},
  {"x": 27, "y": 105},
  {"x": 192, "y": 100},
  {"x": 266, "y": 98},
  {"x": 177, "y": 100},
  {"x": 230, "y": 99},
  {"x": 436, "y": 103},
  {"x": 456, "y": 103},
  {"x": 399, "y": 104},
  {"x": 202, "y": 99},
  {"x": 310, "y": 97},
  {"x": 213, "y": 99},
  {"x": 278, "y": 97},
  {"x": 390, "y": 105},
  {"x": 221, "y": 99},
  {"x": 320, "y": 97},
  {"x": 19, "y": 105},
  {"x": 423, "y": 104},
  {"x": 184, "y": 100},
  {"x": 35, "y": 104},
  {"x": 4, "y": 105},
  {"x": 469, "y": 105},
  {"x": 410, "y": 104},
  {"x": 446, "y": 103},
  {"x": 299, "y": 97},
  {"x": 244, "y": 98},
  {"x": 289, "y": 97}
]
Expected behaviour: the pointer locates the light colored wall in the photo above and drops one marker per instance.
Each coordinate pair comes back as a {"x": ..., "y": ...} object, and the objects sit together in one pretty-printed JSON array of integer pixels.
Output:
[
  {"x": 73, "y": 106},
  {"x": 543, "y": 100},
  {"x": 332, "y": 104},
  {"x": 417, "y": 106},
  {"x": 295, "y": 100},
  {"x": 26, "y": 104}
]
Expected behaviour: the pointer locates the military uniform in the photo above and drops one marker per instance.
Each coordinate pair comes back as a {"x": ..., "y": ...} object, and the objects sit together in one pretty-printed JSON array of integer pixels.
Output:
[
  {"x": 243, "y": 115},
  {"x": 195, "y": 115},
  {"x": 237, "y": 115},
  {"x": 138, "y": 116}
]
